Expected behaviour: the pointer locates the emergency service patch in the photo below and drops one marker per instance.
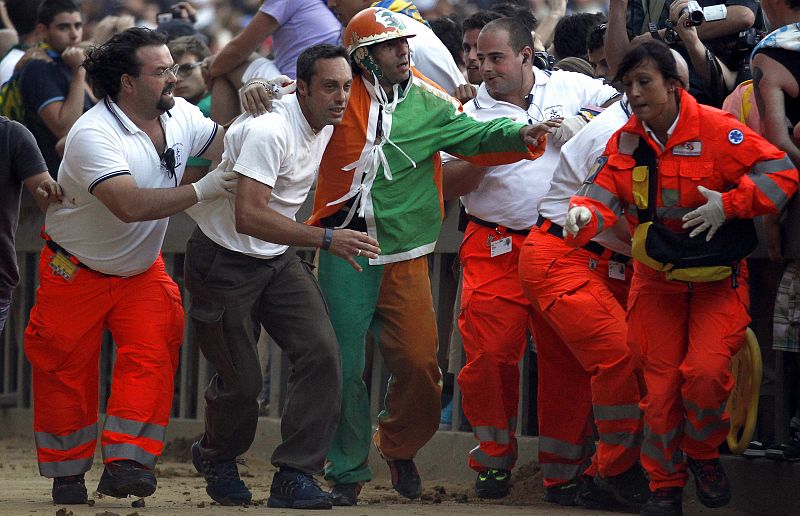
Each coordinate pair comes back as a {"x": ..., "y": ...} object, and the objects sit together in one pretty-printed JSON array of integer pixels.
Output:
[
  {"x": 688, "y": 149},
  {"x": 735, "y": 136},
  {"x": 598, "y": 165}
]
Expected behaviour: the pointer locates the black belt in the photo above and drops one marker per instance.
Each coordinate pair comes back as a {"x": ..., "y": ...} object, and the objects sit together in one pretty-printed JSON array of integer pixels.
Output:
[
  {"x": 593, "y": 247},
  {"x": 487, "y": 224}
]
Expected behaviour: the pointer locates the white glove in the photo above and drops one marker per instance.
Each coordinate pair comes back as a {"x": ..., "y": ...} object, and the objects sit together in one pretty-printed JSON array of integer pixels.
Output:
[
  {"x": 568, "y": 128},
  {"x": 577, "y": 217},
  {"x": 216, "y": 183},
  {"x": 709, "y": 216}
]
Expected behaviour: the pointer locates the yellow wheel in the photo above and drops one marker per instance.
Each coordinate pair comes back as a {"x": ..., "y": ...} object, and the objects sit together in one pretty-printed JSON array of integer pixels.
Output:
[{"x": 743, "y": 401}]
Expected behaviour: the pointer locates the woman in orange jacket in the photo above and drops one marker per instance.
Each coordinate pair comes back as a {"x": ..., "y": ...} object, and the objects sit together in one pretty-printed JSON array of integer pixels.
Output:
[{"x": 678, "y": 167}]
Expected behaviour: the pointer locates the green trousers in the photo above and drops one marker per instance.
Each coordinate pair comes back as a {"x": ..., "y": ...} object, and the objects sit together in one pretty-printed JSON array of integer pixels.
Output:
[{"x": 395, "y": 301}]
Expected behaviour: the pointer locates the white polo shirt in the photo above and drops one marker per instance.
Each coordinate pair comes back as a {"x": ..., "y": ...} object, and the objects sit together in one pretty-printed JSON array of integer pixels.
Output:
[
  {"x": 278, "y": 149},
  {"x": 509, "y": 194},
  {"x": 105, "y": 143},
  {"x": 579, "y": 158}
]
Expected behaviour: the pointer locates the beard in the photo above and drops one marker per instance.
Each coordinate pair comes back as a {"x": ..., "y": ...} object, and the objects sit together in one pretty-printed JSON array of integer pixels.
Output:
[{"x": 165, "y": 104}]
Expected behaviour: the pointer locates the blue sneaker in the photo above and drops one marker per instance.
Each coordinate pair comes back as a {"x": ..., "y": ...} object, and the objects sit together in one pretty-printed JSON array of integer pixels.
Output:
[
  {"x": 223, "y": 484},
  {"x": 446, "y": 418},
  {"x": 292, "y": 489}
]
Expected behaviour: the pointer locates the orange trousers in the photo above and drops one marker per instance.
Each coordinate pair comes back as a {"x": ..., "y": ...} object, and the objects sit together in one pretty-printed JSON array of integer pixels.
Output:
[
  {"x": 493, "y": 319},
  {"x": 587, "y": 371},
  {"x": 62, "y": 343},
  {"x": 687, "y": 333}
]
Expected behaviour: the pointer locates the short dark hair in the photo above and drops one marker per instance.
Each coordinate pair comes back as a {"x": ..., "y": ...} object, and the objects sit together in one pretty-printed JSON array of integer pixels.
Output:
[
  {"x": 178, "y": 47},
  {"x": 478, "y": 20},
  {"x": 307, "y": 60},
  {"x": 574, "y": 64},
  {"x": 512, "y": 10},
  {"x": 571, "y": 33},
  {"x": 22, "y": 16},
  {"x": 519, "y": 36},
  {"x": 49, "y": 9},
  {"x": 106, "y": 64},
  {"x": 597, "y": 37},
  {"x": 656, "y": 51},
  {"x": 448, "y": 30}
]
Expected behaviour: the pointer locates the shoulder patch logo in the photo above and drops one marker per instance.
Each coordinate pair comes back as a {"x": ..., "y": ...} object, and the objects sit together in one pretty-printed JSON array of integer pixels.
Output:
[
  {"x": 735, "y": 136},
  {"x": 598, "y": 165}
]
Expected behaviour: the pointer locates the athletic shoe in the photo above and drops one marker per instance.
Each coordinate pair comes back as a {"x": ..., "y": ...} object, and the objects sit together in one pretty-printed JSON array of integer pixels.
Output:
[
  {"x": 69, "y": 490},
  {"x": 595, "y": 498},
  {"x": 787, "y": 450},
  {"x": 492, "y": 483},
  {"x": 563, "y": 494},
  {"x": 123, "y": 478},
  {"x": 405, "y": 477},
  {"x": 666, "y": 501},
  {"x": 345, "y": 495},
  {"x": 223, "y": 483},
  {"x": 292, "y": 489},
  {"x": 631, "y": 487},
  {"x": 711, "y": 483},
  {"x": 755, "y": 449},
  {"x": 791, "y": 448}
]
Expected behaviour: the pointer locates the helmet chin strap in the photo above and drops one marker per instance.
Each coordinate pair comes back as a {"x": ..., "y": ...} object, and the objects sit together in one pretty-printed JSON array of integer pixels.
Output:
[{"x": 364, "y": 59}]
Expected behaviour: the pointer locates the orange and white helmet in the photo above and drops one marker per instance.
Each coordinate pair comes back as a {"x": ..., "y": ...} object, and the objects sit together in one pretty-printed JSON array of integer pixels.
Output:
[{"x": 373, "y": 25}]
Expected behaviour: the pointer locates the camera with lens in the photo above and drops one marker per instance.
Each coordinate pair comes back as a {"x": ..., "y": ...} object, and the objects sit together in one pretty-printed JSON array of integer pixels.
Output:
[
  {"x": 175, "y": 13},
  {"x": 543, "y": 60},
  {"x": 697, "y": 14}
]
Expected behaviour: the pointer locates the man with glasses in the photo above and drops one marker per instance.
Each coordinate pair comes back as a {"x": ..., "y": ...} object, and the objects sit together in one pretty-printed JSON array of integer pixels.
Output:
[
  {"x": 501, "y": 204},
  {"x": 122, "y": 176},
  {"x": 54, "y": 91},
  {"x": 189, "y": 53}
]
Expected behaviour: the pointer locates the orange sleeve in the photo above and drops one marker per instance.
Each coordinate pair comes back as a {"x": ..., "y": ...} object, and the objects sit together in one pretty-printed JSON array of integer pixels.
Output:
[{"x": 765, "y": 176}]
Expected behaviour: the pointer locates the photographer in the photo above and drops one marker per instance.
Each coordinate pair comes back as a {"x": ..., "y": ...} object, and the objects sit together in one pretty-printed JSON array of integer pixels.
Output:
[{"x": 718, "y": 54}]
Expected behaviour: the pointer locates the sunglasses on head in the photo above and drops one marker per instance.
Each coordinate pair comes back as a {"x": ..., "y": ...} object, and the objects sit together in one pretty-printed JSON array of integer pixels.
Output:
[{"x": 168, "y": 162}]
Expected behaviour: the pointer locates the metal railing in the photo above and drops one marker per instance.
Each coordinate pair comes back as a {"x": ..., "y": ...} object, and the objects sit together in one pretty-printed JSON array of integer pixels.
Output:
[{"x": 194, "y": 372}]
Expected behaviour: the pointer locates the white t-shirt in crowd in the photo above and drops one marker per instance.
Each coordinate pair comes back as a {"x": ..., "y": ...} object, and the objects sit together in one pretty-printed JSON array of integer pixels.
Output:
[
  {"x": 278, "y": 149},
  {"x": 8, "y": 63},
  {"x": 508, "y": 194},
  {"x": 431, "y": 57},
  {"x": 105, "y": 143},
  {"x": 579, "y": 159}
]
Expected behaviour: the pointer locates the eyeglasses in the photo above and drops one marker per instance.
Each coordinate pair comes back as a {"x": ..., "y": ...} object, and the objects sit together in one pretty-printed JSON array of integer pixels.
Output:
[
  {"x": 163, "y": 73},
  {"x": 600, "y": 28},
  {"x": 185, "y": 70},
  {"x": 168, "y": 162}
]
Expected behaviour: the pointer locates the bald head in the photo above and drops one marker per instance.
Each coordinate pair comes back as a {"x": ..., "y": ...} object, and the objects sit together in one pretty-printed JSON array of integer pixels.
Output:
[
  {"x": 682, "y": 67},
  {"x": 518, "y": 35}
]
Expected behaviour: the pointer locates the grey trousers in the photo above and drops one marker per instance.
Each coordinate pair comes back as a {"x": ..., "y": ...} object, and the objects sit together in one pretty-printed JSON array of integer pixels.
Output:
[{"x": 232, "y": 296}]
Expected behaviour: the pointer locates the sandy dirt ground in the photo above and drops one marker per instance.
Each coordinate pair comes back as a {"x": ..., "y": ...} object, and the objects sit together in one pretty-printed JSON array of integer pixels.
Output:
[{"x": 181, "y": 492}]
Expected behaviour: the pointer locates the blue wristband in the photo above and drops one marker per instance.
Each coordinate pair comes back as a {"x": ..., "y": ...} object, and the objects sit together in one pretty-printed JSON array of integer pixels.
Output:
[{"x": 327, "y": 238}]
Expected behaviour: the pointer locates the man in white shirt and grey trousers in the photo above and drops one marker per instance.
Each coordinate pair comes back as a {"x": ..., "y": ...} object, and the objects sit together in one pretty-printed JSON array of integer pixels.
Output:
[{"x": 242, "y": 274}]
